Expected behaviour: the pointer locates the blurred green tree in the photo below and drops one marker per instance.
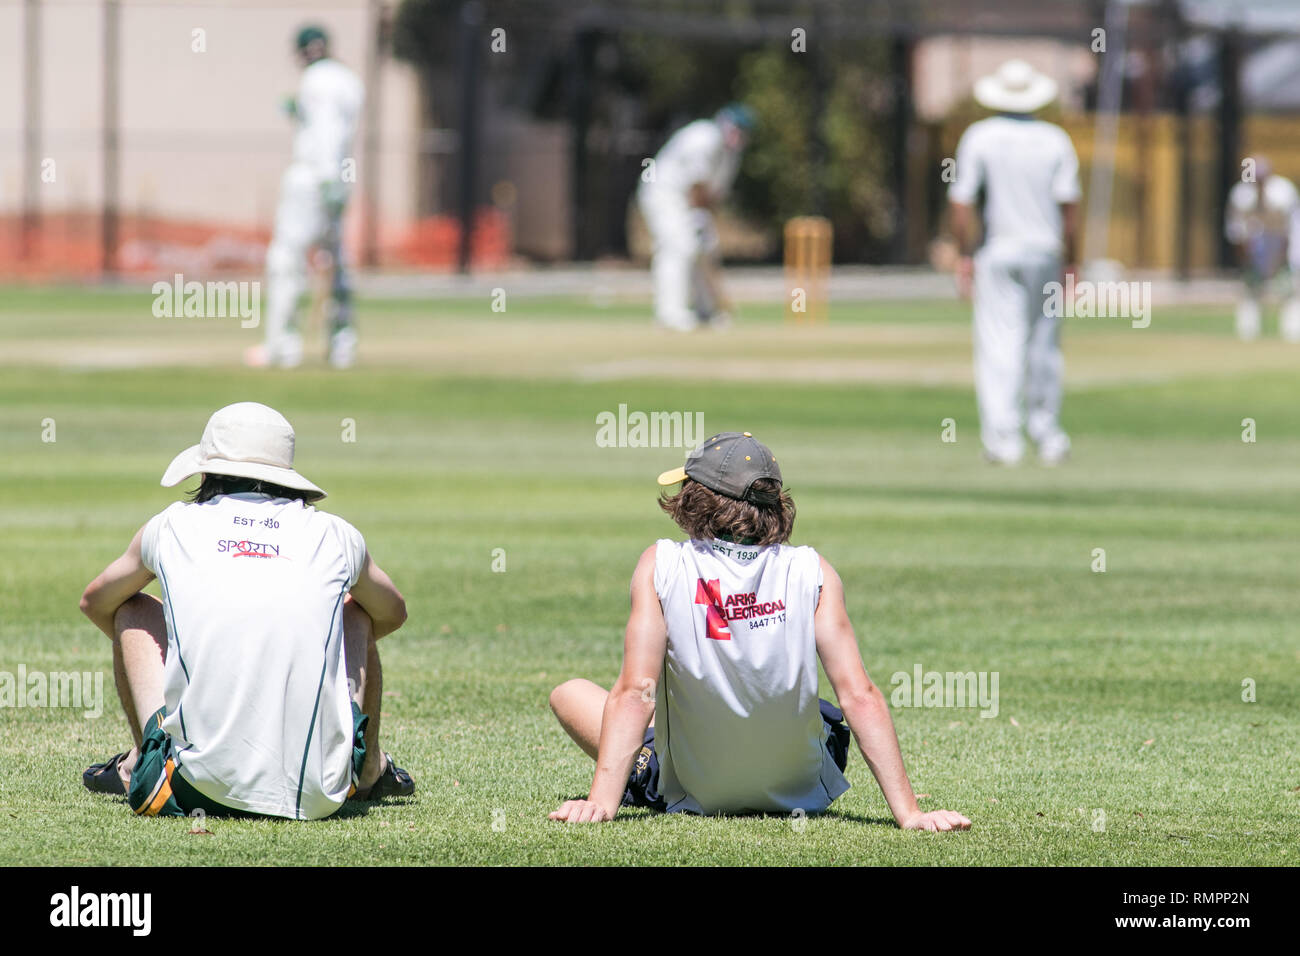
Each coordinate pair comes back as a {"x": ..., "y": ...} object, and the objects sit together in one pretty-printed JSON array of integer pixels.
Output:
[{"x": 657, "y": 81}]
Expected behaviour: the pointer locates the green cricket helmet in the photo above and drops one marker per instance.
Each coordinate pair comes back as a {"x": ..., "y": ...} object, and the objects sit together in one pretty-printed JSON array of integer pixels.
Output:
[{"x": 310, "y": 34}]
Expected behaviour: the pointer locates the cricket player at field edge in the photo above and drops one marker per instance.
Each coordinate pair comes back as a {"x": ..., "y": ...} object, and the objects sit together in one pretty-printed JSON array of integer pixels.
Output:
[
  {"x": 253, "y": 687},
  {"x": 314, "y": 194},
  {"x": 715, "y": 710},
  {"x": 1029, "y": 174},
  {"x": 691, "y": 176},
  {"x": 1263, "y": 224}
]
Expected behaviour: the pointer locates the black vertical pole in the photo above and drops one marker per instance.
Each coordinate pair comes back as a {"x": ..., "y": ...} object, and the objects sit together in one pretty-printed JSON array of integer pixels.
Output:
[
  {"x": 109, "y": 221},
  {"x": 376, "y": 54},
  {"x": 471, "y": 41},
  {"x": 31, "y": 126},
  {"x": 1229, "y": 132},
  {"x": 580, "y": 70},
  {"x": 1182, "y": 106},
  {"x": 900, "y": 74},
  {"x": 817, "y": 54}
]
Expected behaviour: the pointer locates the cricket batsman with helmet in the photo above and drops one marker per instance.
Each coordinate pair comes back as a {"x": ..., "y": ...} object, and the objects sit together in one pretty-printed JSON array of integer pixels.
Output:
[
  {"x": 691, "y": 175},
  {"x": 313, "y": 197}
]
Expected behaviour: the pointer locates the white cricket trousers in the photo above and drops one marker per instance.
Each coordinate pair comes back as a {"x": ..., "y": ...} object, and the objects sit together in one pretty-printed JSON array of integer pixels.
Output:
[
  {"x": 301, "y": 222},
  {"x": 683, "y": 238},
  {"x": 1018, "y": 363}
]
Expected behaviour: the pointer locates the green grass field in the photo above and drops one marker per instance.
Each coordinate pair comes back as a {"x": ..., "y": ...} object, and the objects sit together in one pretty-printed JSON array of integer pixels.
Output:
[{"x": 1121, "y": 692}]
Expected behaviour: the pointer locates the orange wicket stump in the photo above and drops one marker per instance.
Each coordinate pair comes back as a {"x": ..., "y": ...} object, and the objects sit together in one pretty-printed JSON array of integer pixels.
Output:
[{"x": 807, "y": 268}]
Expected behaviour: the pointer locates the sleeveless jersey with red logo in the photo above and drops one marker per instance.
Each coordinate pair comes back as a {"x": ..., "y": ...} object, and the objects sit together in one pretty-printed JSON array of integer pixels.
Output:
[{"x": 737, "y": 720}]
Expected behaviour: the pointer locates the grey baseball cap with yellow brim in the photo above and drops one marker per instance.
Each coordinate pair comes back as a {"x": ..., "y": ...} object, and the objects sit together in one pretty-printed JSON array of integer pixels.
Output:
[{"x": 729, "y": 463}]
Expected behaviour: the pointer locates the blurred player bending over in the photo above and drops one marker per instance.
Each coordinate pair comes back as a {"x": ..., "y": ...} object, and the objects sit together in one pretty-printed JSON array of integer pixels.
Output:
[
  {"x": 692, "y": 174},
  {"x": 254, "y": 686},
  {"x": 313, "y": 196},
  {"x": 1029, "y": 174},
  {"x": 1262, "y": 220},
  {"x": 716, "y": 710}
]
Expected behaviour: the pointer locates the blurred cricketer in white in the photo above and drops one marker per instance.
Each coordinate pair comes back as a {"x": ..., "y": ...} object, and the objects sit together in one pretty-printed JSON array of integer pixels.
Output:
[
  {"x": 1263, "y": 224},
  {"x": 313, "y": 198},
  {"x": 690, "y": 176},
  {"x": 1029, "y": 175},
  {"x": 254, "y": 686}
]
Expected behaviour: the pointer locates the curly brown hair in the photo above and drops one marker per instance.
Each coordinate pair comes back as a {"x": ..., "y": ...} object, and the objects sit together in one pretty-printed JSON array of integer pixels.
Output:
[{"x": 704, "y": 514}]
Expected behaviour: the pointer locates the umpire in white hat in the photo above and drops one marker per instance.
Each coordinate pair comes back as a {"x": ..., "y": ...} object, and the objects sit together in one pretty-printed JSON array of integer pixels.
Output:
[{"x": 1028, "y": 174}]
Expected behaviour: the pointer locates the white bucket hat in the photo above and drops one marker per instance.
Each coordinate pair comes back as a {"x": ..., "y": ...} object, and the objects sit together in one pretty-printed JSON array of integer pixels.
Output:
[
  {"x": 1016, "y": 87},
  {"x": 246, "y": 440}
]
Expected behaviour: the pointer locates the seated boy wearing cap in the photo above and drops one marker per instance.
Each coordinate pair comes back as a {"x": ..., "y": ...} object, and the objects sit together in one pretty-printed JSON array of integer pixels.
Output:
[
  {"x": 253, "y": 687},
  {"x": 716, "y": 710}
]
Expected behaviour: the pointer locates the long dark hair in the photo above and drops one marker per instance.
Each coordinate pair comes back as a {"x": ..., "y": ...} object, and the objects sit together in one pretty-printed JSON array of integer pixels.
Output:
[
  {"x": 214, "y": 485},
  {"x": 704, "y": 514}
]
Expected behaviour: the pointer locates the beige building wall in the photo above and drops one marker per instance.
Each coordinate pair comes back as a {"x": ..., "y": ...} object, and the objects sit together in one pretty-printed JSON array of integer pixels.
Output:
[
  {"x": 203, "y": 136},
  {"x": 945, "y": 68}
]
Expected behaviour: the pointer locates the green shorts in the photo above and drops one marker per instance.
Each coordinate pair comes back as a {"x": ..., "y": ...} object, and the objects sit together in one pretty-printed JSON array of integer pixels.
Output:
[{"x": 157, "y": 790}]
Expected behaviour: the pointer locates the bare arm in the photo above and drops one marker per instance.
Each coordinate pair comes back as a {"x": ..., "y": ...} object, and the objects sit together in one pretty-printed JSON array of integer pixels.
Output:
[
  {"x": 867, "y": 712},
  {"x": 1070, "y": 228},
  {"x": 963, "y": 230},
  {"x": 701, "y": 196},
  {"x": 379, "y": 598},
  {"x": 963, "y": 226},
  {"x": 120, "y": 581},
  {"x": 630, "y": 705}
]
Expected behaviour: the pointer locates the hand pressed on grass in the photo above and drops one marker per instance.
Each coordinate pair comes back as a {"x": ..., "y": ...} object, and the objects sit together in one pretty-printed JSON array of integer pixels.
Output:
[
  {"x": 936, "y": 821},
  {"x": 582, "y": 811}
]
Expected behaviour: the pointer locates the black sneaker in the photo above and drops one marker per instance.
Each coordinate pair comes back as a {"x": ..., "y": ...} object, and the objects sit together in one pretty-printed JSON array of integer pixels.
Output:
[
  {"x": 105, "y": 777},
  {"x": 393, "y": 782}
]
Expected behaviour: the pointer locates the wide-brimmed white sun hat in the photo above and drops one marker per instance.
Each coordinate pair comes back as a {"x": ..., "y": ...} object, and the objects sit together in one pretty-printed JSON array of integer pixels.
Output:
[
  {"x": 245, "y": 440},
  {"x": 1016, "y": 87}
]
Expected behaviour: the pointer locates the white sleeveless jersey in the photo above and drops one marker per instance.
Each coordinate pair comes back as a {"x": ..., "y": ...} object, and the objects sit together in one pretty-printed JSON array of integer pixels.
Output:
[
  {"x": 256, "y": 685},
  {"x": 738, "y": 724}
]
